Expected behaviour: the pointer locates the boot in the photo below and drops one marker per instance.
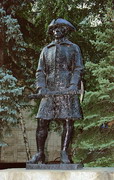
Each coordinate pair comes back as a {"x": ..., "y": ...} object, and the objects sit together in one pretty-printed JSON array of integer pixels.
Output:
[
  {"x": 38, "y": 158},
  {"x": 66, "y": 137},
  {"x": 41, "y": 135},
  {"x": 64, "y": 158}
]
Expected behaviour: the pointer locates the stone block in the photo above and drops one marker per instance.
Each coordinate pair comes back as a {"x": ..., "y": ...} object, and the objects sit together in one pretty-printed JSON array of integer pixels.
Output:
[{"x": 84, "y": 174}]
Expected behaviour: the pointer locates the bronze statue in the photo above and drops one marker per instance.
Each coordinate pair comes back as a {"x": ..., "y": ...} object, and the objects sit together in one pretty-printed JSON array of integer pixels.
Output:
[{"x": 58, "y": 78}]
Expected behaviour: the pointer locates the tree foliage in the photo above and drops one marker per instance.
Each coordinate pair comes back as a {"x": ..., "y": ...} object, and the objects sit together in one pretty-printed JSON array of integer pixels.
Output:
[
  {"x": 15, "y": 52},
  {"x": 96, "y": 142},
  {"x": 10, "y": 102},
  {"x": 13, "y": 61}
]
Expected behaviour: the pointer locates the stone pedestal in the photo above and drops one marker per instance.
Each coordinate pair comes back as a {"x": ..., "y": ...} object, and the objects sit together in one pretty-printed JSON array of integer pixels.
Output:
[
  {"x": 84, "y": 174},
  {"x": 54, "y": 166}
]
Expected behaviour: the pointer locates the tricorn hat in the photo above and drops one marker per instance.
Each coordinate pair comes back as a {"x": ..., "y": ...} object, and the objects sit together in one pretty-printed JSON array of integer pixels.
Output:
[{"x": 60, "y": 22}]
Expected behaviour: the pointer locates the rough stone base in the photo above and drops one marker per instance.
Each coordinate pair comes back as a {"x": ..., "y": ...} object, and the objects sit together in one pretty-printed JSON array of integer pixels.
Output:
[
  {"x": 83, "y": 174},
  {"x": 54, "y": 166}
]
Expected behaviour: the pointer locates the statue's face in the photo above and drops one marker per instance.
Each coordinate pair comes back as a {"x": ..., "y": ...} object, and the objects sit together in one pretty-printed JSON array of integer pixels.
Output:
[{"x": 59, "y": 32}]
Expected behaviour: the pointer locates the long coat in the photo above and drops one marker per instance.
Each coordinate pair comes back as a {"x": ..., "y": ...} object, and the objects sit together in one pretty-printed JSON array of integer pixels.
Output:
[{"x": 60, "y": 66}]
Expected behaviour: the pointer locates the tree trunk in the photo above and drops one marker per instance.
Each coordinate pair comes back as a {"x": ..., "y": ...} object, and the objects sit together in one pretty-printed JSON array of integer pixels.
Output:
[
  {"x": 1, "y": 46},
  {"x": 23, "y": 127}
]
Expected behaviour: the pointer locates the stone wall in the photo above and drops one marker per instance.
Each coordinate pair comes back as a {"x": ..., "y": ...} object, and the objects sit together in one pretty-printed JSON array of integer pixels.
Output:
[{"x": 15, "y": 151}]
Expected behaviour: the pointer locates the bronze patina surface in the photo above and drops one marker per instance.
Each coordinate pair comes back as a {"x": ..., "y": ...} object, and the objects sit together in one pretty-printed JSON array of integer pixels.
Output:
[{"x": 58, "y": 79}]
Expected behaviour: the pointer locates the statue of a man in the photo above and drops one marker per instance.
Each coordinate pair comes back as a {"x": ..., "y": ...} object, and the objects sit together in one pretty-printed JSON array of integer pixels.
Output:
[{"x": 59, "y": 70}]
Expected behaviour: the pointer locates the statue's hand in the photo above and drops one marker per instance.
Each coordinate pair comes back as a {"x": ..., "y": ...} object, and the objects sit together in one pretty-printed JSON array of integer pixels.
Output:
[
  {"x": 43, "y": 91},
  {"x": 72, "y": 89}
]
